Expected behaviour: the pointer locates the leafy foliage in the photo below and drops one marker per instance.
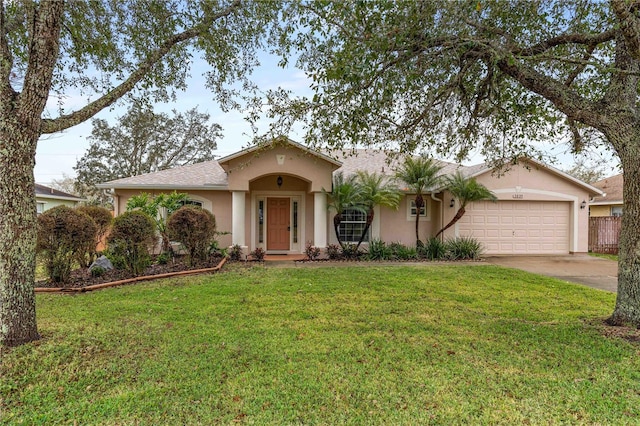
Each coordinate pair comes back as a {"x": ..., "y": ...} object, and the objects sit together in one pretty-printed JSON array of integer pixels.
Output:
[
  {"x": 159, "y": 208},
  {"x": 466, "y": 190},
  {"x": 375, "y": 190},
  {"x": 462, "y": 248},
  {"x": 434, "y": 249},
  {"x": 258, "y": 254},
  {"x": 128, "y": 244},
  {"x": 378, "y": 250},
  {"x": 419, "y": 174},
  {"x": 195, "y": 228},
  {"x": 236, "y": 253},
  {"x": 63, "y": 236},
  {"x": 311, "y": 251},
  {"x": 334, "y": 251},
  {"x": 102, "y": 219},
  {"x": 345, "y": 194},
  {"x": 143, "y": 141}
]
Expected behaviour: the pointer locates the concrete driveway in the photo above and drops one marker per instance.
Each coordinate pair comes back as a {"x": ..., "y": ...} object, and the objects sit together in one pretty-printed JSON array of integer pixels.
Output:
[{"x": 579, "y": 268}]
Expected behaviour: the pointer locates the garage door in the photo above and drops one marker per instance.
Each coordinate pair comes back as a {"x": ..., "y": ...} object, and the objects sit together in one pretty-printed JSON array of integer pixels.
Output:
[{"x": 518, "y": 227}]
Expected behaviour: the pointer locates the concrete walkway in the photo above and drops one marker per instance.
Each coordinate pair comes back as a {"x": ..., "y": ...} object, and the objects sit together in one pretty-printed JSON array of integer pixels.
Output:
[{"x": 579, "y": 268}]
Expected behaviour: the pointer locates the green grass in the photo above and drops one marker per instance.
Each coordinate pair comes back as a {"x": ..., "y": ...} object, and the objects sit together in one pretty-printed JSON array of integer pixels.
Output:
[
  {"x": 605, "y": 256},
  {"x": 398, "y": 345}
]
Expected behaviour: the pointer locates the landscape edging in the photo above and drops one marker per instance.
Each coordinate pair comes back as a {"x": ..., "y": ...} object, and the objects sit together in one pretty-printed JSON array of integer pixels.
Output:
[{"x": 128, "y": 280}]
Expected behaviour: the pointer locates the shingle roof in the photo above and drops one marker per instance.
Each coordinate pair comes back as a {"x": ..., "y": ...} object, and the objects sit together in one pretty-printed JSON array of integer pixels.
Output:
[
  {"x": 207, "y": 174},
  {"x": 612, "y": 187},
  {"x": 47, "y": 192}
]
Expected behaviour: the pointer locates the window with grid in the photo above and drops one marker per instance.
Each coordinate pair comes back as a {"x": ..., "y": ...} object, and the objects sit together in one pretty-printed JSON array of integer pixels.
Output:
[
  {"x": 413, "y": 210},
  {"x": 352, "y": 225}
]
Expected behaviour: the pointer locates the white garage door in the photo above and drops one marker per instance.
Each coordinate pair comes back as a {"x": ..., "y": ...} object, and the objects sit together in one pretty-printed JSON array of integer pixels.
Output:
[{"x": 518, "y": 227}]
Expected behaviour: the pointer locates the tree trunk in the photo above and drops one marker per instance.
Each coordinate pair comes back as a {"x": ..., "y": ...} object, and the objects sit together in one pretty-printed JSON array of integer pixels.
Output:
[
  {"x": 370, "y": 214},
  {"x": 627, "y": 310},
  {"x": 419, "y": 203},
  {"x": 337, "y": 220},
  {"x": 461, "y": 211},
  {"x": 17, "y": 236}
]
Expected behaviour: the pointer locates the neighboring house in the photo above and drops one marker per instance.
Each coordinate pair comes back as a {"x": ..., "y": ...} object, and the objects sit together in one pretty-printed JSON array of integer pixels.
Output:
[
  {"x": 611, "y": 202},
  {"x": 272, "y": 197},
  {"x": 48, "y": 198}
]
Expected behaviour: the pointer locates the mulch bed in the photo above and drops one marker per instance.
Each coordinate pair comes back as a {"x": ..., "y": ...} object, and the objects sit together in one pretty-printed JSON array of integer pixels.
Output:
[{"x": 81, "y": 278}]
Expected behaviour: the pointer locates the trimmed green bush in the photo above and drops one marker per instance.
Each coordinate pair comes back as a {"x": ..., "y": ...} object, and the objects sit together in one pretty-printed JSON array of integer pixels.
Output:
[
  {"x": 463, "y": 248},
  {"x": 102, "y": 218},
  {"x": 63, "y": 234},
  {"x": 195, "y": 228},
  {"x": 132, "y": 235}
]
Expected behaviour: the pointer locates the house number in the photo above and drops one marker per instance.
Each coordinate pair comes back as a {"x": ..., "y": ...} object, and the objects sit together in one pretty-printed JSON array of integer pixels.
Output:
[{"x": 518, "y": 196}]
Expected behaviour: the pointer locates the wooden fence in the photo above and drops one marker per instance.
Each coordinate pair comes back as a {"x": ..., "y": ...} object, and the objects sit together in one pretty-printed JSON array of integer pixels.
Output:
[{"x": 604, "y": 233}]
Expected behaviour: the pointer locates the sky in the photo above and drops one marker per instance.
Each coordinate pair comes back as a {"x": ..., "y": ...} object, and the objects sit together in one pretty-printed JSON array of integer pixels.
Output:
[{"x": 58, "y": 153}]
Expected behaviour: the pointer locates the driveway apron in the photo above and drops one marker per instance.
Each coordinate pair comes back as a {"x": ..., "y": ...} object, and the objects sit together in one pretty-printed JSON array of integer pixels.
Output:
[{"x": 583, "y": 269}]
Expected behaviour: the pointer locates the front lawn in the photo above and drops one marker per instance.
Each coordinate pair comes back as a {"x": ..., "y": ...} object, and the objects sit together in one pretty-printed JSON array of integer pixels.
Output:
[{"x": 395, "y": 345}]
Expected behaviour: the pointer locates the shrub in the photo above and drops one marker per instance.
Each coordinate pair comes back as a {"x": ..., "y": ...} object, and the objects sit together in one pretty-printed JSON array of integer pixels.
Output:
[
  {"x": 463, "y": 248},
  {"x": 311, "y": 251},
  {"x": 402, "y": 252},
  {"x": 258, "y": 254},
  {"x": 434, "y": 249},
  {"x": 128, "y": 244},
  {"x": 350, "y": 251},
  {"x": 163, "y": 258},
  {"x": 63, "y": 233},
  {"x": 235, "y": 254},
  {"x": 378, "y": 250},
  {"x": 195, "y": 228},
  {"x": 97, "y": 271},
  {"x": 334, "y": 251},
  {"x": 216, "y": 250},
  {"x": 102, "y": 218}
]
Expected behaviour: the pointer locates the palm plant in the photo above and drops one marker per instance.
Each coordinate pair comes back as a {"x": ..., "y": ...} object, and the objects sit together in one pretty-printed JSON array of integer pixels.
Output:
[
  {"x": 465, "y": 190},
  {"x": 420, "y": 174},
  {"x": 159, "y": 208},
  {"x": 376, "y": 190},
  {"x": 345, "y": 194}
]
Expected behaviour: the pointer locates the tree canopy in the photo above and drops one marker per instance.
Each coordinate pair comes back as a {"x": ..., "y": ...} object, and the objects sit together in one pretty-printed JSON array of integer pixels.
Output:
[
  {"x": 102, "y": 52},
  {"x": 143, "y": 141},
  {"x": 455, "y": 76}
]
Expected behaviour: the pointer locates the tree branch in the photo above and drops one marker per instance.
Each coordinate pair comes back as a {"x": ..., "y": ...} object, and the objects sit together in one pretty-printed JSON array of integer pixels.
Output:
[
  {"x": 564, "y": 98},
  {"x": 43, "y": 54},
  {"x": 627, "y": 12},
  {"x": 6, "y": 60},
  {"x": 77, "y": 117},
  {"x": 586, "y": 39}
]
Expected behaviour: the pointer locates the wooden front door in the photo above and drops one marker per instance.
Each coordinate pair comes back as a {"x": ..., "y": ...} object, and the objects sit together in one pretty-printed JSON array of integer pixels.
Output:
[{"x": 278, "y": 226}]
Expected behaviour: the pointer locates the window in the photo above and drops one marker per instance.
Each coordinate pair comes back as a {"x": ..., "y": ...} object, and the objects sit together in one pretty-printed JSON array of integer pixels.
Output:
[
  {"x": 352, "y": 225},
  {"x": 191, "y": 203},
  {"x": 413, "y": 210},
  {"x": 425, "y": 211},
  {"x": 616, "y": 211},
  {"x": 40, "y": 207}
]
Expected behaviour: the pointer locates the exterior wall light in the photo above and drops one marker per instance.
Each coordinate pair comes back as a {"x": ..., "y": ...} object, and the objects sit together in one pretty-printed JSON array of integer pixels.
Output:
[
  {"x": 583, "y": 204},
  {"x": 279, "y": 181},
  {"x": 452, "y": 203}
]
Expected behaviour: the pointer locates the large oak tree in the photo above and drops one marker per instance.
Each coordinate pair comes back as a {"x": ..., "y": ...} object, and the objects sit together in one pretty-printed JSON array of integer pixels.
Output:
[
  {"x": 453, "y": 76},
  {"x": 143, "y": 141},
  {"x": 106, "y": 50}
]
